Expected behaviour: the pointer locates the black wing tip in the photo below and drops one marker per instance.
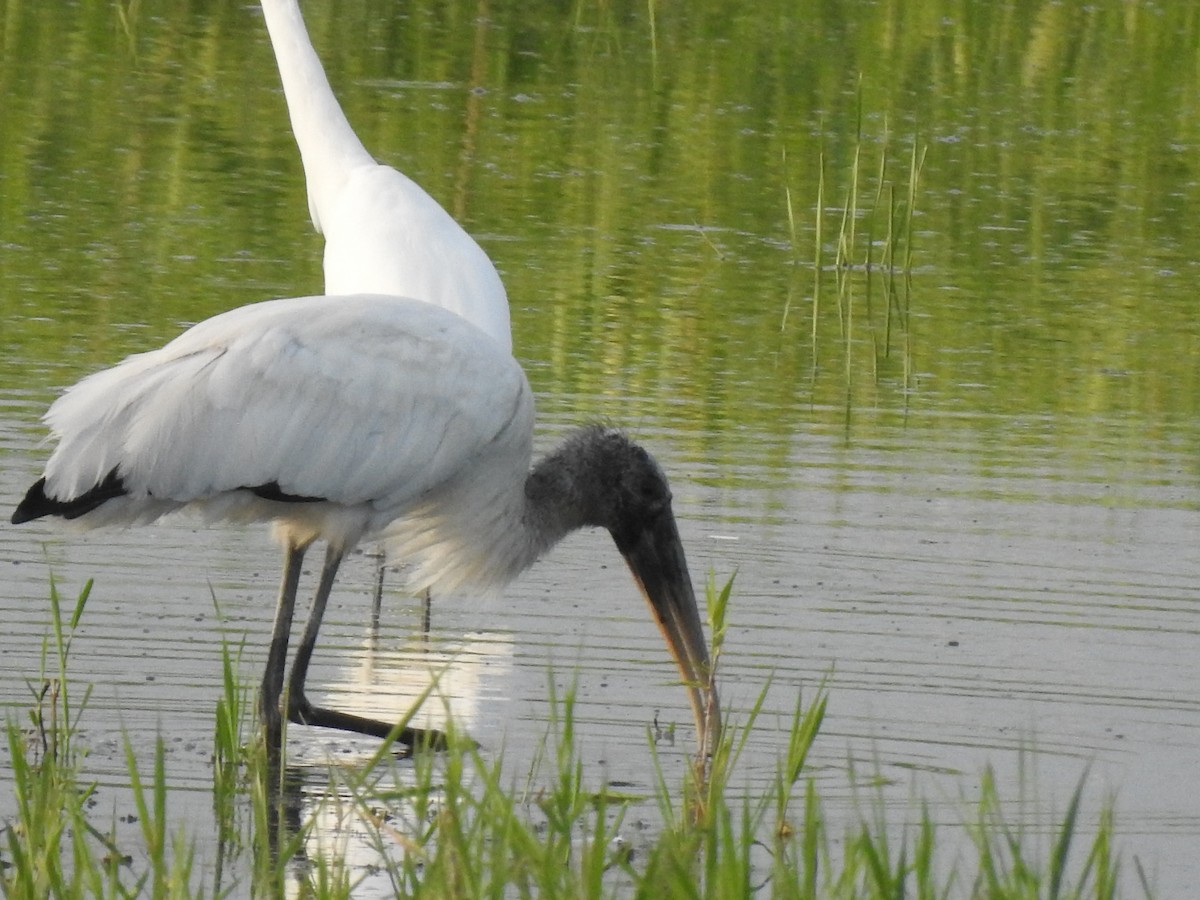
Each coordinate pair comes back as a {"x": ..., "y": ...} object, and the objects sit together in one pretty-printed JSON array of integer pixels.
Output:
[
  {"x": 272, "y": 491},
  {"x": 34, "y": 506},
  {"x": 37, "y": 504}
]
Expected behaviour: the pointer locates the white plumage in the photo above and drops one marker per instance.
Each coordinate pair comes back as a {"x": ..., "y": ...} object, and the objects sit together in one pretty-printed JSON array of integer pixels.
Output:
[
  {"x": 374, "y": 404},
  {"x": 383, "y": 233}
]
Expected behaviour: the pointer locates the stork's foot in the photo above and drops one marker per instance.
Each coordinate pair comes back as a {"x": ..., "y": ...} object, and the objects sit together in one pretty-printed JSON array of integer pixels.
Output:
[{"x": 302, "y": 712}]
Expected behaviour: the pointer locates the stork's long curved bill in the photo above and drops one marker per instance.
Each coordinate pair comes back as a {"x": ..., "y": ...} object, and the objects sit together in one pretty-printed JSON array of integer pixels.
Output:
[{"x": 656, "y": 559}]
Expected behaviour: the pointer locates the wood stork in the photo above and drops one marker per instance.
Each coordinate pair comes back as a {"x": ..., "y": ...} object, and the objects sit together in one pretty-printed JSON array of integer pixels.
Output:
[
  {"x": 352, "y": 417},
  {"x": 383, "y": 233}
]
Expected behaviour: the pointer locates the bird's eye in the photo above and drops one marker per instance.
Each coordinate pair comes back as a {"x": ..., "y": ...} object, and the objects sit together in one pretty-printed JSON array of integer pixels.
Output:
[{"x": 652, "y": 497}]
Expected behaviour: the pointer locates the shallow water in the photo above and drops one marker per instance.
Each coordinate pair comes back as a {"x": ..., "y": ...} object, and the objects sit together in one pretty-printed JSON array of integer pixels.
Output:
[
  {"x": 975, "y": 523},
  {"x": 960, "y": 620}
]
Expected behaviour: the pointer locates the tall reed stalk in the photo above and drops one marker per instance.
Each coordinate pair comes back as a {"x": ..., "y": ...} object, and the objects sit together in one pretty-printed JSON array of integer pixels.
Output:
[{"x": 871, "y": 250}]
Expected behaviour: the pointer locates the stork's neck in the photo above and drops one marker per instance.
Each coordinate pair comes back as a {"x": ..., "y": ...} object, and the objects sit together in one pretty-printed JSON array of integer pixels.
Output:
[
  {"x": 572, "y": 487},
  {"x": 555, "y": 500},
  {"x": 490, "y": 529},
  {"x": 328, "y": 145}
]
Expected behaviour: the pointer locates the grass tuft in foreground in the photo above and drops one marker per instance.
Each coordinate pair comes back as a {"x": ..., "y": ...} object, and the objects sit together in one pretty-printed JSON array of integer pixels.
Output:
[
  {"x": 53, "y": 848},
  {"x": 457, "y": 824}
]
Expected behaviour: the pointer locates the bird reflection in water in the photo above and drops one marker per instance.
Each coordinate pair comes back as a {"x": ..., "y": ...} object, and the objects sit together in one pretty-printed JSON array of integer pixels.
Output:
[{"x": 315, "y": 807}]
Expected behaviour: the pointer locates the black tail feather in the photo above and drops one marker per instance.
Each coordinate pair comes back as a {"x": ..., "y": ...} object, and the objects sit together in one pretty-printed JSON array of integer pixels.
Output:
[
  {"x": 272, "y": 491},
  {"x": 36, "y": 504}
]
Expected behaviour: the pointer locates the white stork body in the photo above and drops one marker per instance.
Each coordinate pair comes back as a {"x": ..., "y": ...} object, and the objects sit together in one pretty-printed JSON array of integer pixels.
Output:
[
  {"x": 380, "y": 406},
  {"x": 344, "y": 418},
  {"x": 383, "y": 233}
]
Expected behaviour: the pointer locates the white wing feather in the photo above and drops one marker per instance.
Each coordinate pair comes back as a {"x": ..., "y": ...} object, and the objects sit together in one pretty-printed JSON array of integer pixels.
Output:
[{"x": 372, "y": 403}]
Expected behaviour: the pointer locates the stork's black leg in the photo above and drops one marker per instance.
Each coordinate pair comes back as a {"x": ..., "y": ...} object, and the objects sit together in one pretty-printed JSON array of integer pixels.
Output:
[
  {"x": 302, "y": 712},
  {"x": 377, "y": 597},
  {"x": 272, "y": 683}
]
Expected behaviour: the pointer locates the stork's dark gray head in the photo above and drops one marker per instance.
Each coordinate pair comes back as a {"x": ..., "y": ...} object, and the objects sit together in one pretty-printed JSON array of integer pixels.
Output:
[
  {"x": 599, "y": 477},
  {"x": 616, "y": 483}
]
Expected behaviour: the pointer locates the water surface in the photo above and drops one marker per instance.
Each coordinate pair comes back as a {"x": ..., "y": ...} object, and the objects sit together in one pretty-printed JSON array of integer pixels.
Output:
[{"x": 969, "y": 506}]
